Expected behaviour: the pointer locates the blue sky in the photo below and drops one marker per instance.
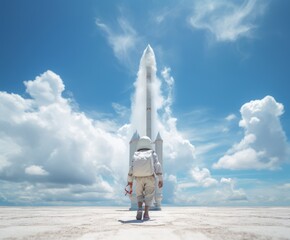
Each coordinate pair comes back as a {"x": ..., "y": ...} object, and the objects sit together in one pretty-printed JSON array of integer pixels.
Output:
[{"x": 63, "y": 131}]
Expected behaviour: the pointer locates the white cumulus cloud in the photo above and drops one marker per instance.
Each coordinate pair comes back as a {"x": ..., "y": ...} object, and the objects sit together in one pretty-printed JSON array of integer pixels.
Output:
[
  {"x": 202, "y": 177},
  {"x": 45, "y": 89},
  {"x": 36, "y": 170},
  {"x": 264, "y": 145}
]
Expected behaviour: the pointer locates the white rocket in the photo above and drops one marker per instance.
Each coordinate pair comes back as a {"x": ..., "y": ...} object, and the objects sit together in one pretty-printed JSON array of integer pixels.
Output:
[{"x": 148, "y": 65}]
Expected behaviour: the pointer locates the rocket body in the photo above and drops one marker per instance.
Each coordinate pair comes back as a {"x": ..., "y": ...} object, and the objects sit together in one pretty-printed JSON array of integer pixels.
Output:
[
  {"x": 149, "y": 62},
  {"x": 148, "y": 103}
]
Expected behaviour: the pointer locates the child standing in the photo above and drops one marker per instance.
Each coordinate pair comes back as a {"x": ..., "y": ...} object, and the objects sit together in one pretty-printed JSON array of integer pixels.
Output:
[{"x": 145, "y": 166}]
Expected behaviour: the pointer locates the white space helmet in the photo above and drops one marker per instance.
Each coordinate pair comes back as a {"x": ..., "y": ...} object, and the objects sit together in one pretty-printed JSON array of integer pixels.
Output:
[{"x": 144, "y": 143}]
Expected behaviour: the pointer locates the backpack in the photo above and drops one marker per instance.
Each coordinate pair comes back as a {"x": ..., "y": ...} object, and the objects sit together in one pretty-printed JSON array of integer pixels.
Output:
[{"x": 143, "y": 164}]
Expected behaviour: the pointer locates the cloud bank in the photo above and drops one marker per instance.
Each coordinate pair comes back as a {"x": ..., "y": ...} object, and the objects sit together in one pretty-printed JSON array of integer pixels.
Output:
[
  {"x": 52, "y": 153},
  {"x": 44, "y": 140}
]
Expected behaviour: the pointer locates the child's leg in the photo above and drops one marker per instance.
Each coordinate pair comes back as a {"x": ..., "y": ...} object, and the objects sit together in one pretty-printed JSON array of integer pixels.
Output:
[
  {"x": 146, "y": 213},
  {"x": 139, "y": 212},
  {"x": 149, "y": 194},
  {"x": 139, "y": 191},
  {"x": 149, "y": 190},
  {"x": 140, "y": 198},
  {"x": 140, "y": 204}
]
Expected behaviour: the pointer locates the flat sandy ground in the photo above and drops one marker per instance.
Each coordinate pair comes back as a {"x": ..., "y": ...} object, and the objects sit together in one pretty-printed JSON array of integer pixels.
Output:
[{"x": 119, "y": 223}]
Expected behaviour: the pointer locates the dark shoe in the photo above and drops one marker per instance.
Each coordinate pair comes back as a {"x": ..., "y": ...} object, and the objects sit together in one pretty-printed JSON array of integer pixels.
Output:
[
  {"x": 146, "y": 217},
  {"x": 139, "y": 214}
]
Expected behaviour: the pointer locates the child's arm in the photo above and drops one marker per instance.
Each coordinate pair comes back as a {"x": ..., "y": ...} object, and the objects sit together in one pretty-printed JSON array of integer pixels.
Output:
[
  {"x": 130, "y": 174},
  {"x": 158, "y": 170}
]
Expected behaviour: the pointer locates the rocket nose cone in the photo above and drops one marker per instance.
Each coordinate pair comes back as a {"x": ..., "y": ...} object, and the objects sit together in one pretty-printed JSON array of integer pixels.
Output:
[
  {"x": 148, "y": 58},
  {"x": 148, "y": 50}
]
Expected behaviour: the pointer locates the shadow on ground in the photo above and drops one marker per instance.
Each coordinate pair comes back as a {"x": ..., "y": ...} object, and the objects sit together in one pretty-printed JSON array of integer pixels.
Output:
[{"x": 132, "y": 221}]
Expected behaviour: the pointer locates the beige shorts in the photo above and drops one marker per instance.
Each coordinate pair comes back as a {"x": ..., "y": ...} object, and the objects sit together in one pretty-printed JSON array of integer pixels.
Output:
[{"x": 145, "y": 189}]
